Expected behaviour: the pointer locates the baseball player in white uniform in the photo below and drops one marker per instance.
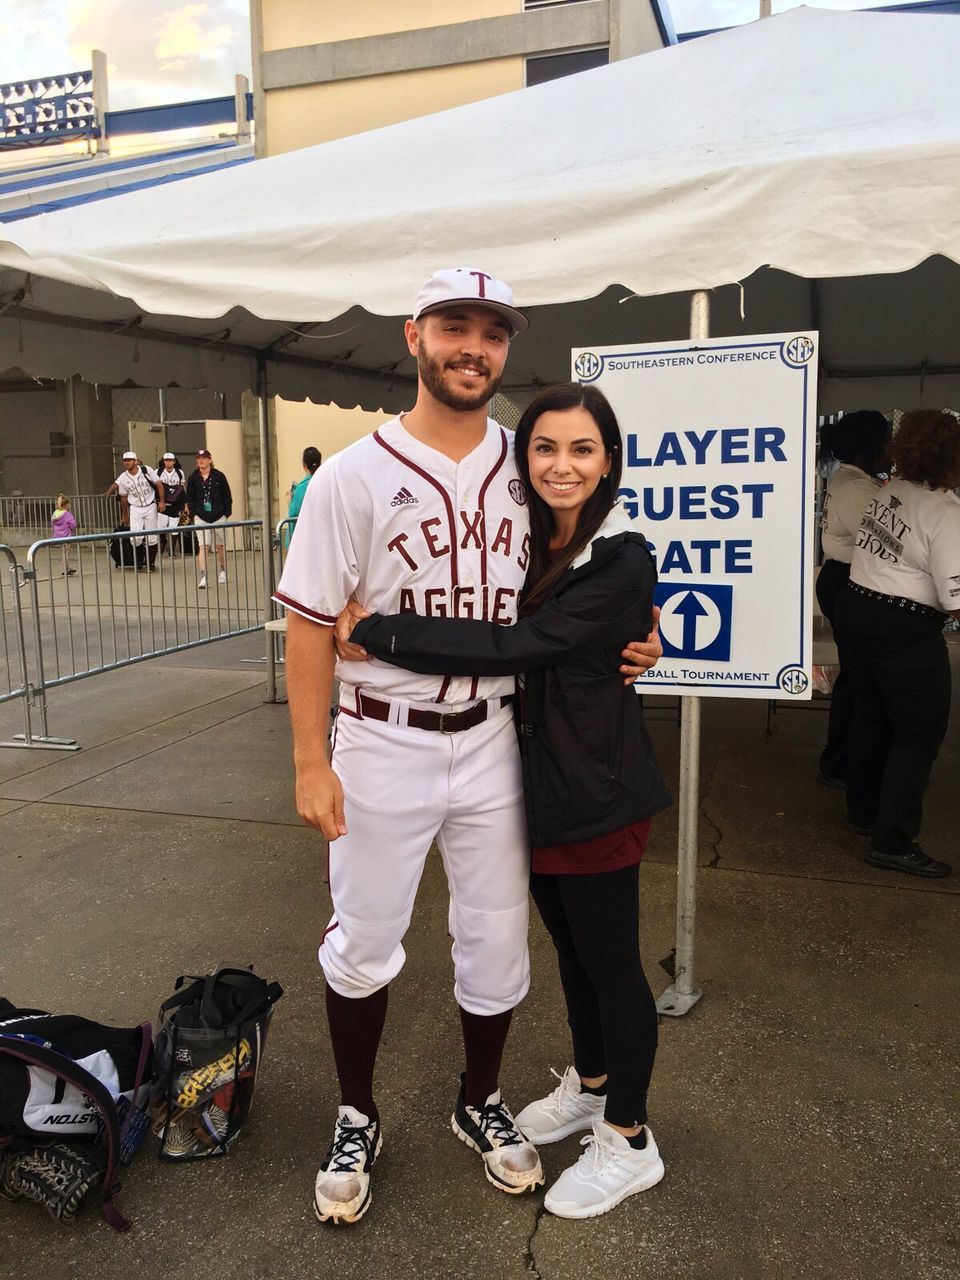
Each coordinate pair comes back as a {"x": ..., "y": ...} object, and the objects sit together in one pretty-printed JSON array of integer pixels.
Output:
[
  {"x": 141, "y": 499},
  {"x": 425, "y": 514}
]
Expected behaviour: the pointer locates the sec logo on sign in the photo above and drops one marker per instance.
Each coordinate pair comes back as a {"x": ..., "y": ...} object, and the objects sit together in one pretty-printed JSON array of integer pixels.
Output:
[
  {"x": 793, "y": 680},
  {"x": 798, "y": 350},
  {"x": 587, "y": 366}
]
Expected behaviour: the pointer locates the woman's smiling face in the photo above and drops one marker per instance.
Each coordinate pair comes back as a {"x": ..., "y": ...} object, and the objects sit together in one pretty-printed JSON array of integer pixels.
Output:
[{"x": 566, "y": 459}]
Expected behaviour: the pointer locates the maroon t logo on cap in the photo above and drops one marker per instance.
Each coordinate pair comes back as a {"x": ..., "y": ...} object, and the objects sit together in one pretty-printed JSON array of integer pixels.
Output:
[{"x": 481, "y": 276}]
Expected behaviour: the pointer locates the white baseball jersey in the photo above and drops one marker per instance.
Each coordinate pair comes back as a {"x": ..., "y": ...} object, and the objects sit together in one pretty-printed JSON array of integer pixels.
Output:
[
  {"x": 139, "y": 489},
  {"x": 849, "y": 491},
  {"x": 409, "y": 530},
  {"x": 909, "y": 545}
]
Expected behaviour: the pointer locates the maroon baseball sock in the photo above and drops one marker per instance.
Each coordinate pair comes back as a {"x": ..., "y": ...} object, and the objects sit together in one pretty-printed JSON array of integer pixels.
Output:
[
  {"x": 355, "y": 1030},
  {"x": 483, "y": 1039}
]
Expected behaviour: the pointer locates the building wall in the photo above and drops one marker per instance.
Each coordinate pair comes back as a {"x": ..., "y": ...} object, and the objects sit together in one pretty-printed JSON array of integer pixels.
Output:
[
  {"x": 291, "y": 23},
  {"x": 32, "y": 464},
  {"x": 310, "y": 114},
  {"x": 326, "y": 427}
]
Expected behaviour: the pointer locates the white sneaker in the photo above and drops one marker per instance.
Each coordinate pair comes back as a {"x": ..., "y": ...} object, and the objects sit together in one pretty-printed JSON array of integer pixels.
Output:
[
  {"x": 342, "y": 1190},
  {"x": 222, "y": 576},
  {"x": 562, "y": 1112},
  {"x": 510, "y": 1162},
  {"x": 202, "y": 584},
  {"x": 607, "y": 1172}
]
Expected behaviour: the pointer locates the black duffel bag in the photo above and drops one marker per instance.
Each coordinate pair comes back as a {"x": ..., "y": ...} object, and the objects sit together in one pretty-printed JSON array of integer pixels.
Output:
[{"x": 70, "y": 1091}]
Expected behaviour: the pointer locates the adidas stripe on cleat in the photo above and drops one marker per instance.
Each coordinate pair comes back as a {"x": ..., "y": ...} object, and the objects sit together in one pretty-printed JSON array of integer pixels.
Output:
[
  {"x": 342, "y": 1191},
  {"x": 511, "y": 1163}
]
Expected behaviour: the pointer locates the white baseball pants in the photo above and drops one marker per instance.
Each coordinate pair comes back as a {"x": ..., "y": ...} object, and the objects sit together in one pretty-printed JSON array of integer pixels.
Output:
[
  {"x": 403, "y": 788},
  {"x": 144, "y": 518}
]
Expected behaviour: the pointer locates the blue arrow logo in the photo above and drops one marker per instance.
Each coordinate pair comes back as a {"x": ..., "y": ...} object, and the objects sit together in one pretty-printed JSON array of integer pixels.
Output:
[
  {"x": 695, "y": 619},
  {"x": 689, "y": 609}
]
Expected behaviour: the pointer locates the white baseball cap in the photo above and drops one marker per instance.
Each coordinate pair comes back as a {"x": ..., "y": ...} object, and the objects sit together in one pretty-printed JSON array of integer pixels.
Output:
[
  {"x": 467, "y": 284},
  {"x": 169, "y": 457},
  {"x": 129, "y": 456}
]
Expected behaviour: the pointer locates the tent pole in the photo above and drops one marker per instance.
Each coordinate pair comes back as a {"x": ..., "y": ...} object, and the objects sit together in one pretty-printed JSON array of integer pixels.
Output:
[
  {"x": 684, "y": 993},
  {"x": 266, "y": 536}
]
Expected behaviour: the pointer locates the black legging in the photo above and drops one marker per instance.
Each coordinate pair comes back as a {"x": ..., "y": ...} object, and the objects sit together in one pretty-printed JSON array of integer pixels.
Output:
[
  {"x": 594, "y": 921},
  {"x": 900, "y": 676}
]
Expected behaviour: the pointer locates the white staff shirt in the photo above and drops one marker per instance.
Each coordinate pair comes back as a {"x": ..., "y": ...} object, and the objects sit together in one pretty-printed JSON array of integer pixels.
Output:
[
  {"x": 139, "y": 489},
  {"x": 407, "y": 529},
  {"x": 848, "y": 493},
  {"x": 909, "y": 545}
]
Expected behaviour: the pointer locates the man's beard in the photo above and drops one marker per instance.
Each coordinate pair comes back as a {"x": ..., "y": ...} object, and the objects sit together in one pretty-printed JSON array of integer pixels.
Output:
[{"x": 431, "y": 373}]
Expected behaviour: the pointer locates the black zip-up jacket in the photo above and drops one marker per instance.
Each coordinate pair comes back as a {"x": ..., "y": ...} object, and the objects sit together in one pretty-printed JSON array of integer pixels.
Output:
[
  {"x": 221, "y": 499},
  {"x": 588, "y": 762}
]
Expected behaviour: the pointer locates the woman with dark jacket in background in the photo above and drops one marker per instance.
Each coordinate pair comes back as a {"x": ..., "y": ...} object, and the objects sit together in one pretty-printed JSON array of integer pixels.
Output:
[
  {"x": 860, "y": 442},
  {"x": 591, "y": 780}
]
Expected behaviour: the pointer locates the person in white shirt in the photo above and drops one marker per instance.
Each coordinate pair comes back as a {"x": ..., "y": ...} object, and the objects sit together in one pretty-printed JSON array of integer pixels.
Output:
[
  {"x": 860, "y": 442},
  {"x": 904, "y": 584},
  {"x": 173, "y": 481},
  {"x": 141, "y": 499}
]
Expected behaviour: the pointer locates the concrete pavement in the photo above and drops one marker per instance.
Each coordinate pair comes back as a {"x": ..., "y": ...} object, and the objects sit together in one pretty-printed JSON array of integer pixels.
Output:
[{"x": 806, "y": 1108}]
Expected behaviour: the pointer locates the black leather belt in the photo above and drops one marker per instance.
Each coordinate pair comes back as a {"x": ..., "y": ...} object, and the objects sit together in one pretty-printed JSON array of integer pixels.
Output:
[
  {"x": 433, "y": 721},
  {"x": 900, "y": 602}
]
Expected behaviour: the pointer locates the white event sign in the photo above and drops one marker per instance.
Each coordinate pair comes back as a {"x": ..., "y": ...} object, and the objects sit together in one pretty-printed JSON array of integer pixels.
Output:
[{"x": 718, "y": 439}]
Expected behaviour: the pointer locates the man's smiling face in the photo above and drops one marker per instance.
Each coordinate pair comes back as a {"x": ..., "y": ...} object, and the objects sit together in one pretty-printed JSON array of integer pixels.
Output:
[{"x": 461, "y": 352}]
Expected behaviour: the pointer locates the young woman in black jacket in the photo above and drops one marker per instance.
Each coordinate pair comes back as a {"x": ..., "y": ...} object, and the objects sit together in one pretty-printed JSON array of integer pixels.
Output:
[{"x": 590, "y": 777}]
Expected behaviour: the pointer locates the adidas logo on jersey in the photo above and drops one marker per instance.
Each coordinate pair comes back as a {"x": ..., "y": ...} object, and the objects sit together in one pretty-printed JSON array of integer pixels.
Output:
[{"x": 405, "y": 498}]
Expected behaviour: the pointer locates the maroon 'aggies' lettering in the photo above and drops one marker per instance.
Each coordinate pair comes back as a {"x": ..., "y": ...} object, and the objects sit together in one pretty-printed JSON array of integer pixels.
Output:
[{"x": 483, "y": 603}]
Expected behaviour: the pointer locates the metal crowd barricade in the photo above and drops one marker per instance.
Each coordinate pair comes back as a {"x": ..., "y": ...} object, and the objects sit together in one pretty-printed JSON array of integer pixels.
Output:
[
  {"x": 104, "y": 601},
  {"x": 18, "y": 681},
  {"x": 25, "y": 517},
  {"x": 281, "y": 545}
]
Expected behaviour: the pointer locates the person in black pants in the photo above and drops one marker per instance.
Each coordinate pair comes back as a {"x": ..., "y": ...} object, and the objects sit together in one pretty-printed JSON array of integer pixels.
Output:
[
  {"x": 860, "y": 442},
  {"x": 591, "y": 781},
  {"x": 904, "y": 583}
]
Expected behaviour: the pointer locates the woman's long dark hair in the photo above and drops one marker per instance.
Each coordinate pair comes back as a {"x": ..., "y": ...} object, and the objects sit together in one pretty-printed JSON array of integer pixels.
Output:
[
  {"x": 542, "y": 575},
  {"x": 312, "y": 458}
]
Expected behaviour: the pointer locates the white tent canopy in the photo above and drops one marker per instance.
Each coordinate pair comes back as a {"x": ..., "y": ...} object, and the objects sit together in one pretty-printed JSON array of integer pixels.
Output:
[{"x": 814, "y": 157}]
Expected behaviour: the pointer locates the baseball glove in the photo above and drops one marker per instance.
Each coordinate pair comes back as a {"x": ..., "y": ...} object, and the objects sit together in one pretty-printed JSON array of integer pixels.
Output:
[{"x": 57, "y": 1176}]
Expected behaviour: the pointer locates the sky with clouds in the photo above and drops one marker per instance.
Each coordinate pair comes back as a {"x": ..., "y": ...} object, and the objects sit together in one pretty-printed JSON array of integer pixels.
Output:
[
  {"x": 157, "y": 51},
  {"x": 160, "y": 51}
]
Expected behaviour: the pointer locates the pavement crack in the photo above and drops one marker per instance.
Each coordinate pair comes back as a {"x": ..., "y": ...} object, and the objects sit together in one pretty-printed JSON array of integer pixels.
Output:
[
  {"x": 528, "y": 1257},
  {"x": 718, "y": 840}
]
